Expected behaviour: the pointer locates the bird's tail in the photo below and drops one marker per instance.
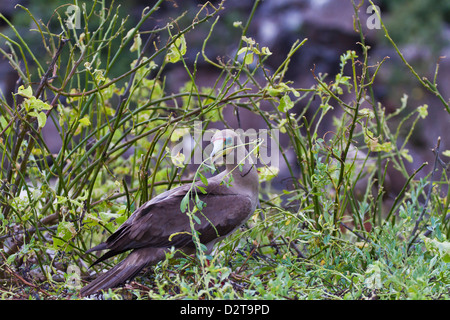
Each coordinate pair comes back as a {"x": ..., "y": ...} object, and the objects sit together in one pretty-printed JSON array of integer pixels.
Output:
[{"x": 125, "y": 270}]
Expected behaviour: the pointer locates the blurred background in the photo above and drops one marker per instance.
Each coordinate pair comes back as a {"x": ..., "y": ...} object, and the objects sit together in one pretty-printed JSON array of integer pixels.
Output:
[{"x": 421, "y": 29}]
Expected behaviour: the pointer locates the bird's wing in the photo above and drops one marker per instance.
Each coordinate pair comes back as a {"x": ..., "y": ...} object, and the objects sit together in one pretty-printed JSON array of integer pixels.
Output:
[{"x": 160, "y": 222}]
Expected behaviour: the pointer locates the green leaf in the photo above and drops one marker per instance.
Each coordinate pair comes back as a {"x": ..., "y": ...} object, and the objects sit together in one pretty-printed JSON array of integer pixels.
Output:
[
  {"x": 199, "y": 203},
  {"x": 25, "y": 92},
  {"x": 65, "y": 232},
  {"x": 373, "y": 276},
  {"x": 423, "y": 111},
  {"x": 285, "y": 103},
  {"x": 373, "y": 142},
  {"x": 178, "y": 160},
  {"x": 365, "y": 112},
  {"x": 85, "y": 121},
  {"x": 184, "y": 202},
  {"x": 42, "y": 119},
  {"x": 274, "y": 92},
  {"x": 179, "y": 133},
  {"x": 441, "y": 249},
  {"x": 137, "y": 41},
  {"x": 176, "y": 50},
  {"x": 405, "y": 154},
  {"x": 248, "y": 40},
  {"x": 242, "y": 50},
  {"x": 196, "y": 219},
  {"x": 255, "y": 50},
  {"x": 267, "y": 173},
  {"x": 203, "y": 178},
  {"x": 266, "y": 51},
  {"x": 344, "y": 80},
  {"x": 248, "y": 58},
  {"x": 98, "y": 76},
  {"x": 39, "y": 105},
  {"x": 347, "y": 56},
  {"x": 201, "y": 189},
  {"x": 11, "y": 258}
]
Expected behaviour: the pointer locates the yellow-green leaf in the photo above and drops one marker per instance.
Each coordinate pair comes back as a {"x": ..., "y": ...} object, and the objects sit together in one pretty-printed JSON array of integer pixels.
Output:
[
  {"x": 65, "y": 232},
  {"x": 267, "y": 173},
  {"x": 266, "y": 51},
  {"x": 423, "y": 111},
  {"x": 39, "y": 105},
  {"x": 405, "y": 154},
  {"x": 285, "y": 103},
  {"x": 85, "y": 121},
  {"x": 176, "y": 50},
  {"x": 248, "y": 58},
  {"x": 25, "y": 92},
  {"x": 242, "y": 50},
  {"x": 137, "y": 41},
  {"x": 248, "y": 40},
  {"x": 178, "y": 133},
  {"x": 42, "y": 119},
  {"x": 178, "y": 160}
]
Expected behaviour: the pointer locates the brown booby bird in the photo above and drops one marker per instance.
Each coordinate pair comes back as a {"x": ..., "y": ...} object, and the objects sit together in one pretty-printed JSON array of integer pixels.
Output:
[{"x": 227, "y": 201}]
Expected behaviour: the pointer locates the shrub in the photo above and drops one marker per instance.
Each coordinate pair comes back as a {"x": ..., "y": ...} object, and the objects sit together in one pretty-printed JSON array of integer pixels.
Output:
[{"x": 331, "y": 236}]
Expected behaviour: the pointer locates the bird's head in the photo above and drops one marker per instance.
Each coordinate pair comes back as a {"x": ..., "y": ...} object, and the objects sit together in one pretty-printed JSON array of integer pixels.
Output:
[{"x": 224, "y": 142}]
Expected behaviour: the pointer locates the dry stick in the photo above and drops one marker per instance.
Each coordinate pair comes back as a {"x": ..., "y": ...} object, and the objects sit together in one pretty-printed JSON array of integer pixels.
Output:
[
  {"x": 292, "y": 245},
  {"x": 50, "y": 69},
  {"x": 248, "y": 257},
  {"x": 416, "y": 227}
]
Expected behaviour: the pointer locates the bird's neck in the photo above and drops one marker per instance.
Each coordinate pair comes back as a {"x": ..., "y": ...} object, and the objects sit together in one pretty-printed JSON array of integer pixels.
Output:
[
  {"x": 240, "y": 170},
  {"x": 241, "y": 167}
]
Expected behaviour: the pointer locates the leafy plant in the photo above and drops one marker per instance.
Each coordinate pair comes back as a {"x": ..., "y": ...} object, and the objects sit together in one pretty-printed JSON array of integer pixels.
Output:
[{"x": 332, "y": 235}]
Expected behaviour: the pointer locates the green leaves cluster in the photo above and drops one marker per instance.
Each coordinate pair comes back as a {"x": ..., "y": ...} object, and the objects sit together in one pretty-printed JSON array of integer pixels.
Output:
[
  {"x": 177, "y": 50},
  {"x": 251, "y": 49},
  {"x": 34, "y": 107}
]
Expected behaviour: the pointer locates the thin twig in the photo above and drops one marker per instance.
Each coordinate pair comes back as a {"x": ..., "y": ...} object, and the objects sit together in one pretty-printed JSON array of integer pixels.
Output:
[
  {"x": 355, "y": 233},
  {"x": 402, "y": 192},
  {"x": 50, "y": 68},
  {"x": 291, "y": 244},
  {"x": 436, "y": 163}
]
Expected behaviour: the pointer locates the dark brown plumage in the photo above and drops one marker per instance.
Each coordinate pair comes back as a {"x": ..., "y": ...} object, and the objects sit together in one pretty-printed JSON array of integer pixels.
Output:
[{"x": 160, "y": 224}]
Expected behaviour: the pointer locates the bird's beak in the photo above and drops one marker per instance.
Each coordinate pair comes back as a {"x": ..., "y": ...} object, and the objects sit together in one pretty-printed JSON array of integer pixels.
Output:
[{"x": 217, "y": 149}]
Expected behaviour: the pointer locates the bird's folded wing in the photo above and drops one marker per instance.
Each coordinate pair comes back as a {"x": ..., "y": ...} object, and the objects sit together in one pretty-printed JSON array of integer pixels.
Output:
[{"x": 160, "y": 223}]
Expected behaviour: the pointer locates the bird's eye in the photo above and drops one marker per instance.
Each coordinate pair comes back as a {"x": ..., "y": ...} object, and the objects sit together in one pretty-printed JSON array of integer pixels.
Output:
[{"x": 229, "y": 140}]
